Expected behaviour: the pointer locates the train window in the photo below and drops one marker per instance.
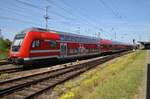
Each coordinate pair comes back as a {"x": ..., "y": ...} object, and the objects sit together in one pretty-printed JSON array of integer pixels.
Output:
[
  {"x": 72, "y": 39},
  {"x": 36, "y": 43},
  {"x": 62, "y": 37},
  {"x": 53, "y": 44},
  {"x": 17, "y": 42}
]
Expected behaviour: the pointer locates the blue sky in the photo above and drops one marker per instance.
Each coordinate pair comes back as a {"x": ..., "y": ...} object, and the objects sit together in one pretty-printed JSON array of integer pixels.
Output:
[{"x": 128, "y": 19}]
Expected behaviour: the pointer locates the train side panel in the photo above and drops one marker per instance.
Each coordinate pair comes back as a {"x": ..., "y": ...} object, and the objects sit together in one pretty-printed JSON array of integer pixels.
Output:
[{"x": 38, "y": 44}]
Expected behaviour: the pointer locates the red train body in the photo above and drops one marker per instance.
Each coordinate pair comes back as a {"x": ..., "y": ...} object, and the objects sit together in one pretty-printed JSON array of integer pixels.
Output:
[
  {"x": 35, "y": 44},
  {"x": 113, "y": 46}
]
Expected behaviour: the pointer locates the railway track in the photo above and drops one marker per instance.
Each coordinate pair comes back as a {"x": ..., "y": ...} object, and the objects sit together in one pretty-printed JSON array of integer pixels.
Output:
[
  {"x": 33, "y": 85},
  {"x": 10, "y": 68},
  {"x": 3, "y": 62},
  {"x": 6, "y": 67}
]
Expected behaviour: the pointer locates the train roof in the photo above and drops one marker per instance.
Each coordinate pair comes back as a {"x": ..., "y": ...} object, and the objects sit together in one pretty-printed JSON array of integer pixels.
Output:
[
  {"x": 105, "y": 41},
  {"x": 120, "y": 43},
  {"x": 54, "y": 31}
]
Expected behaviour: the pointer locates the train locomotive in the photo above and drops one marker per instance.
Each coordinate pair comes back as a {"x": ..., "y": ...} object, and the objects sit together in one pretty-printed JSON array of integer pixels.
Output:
[{"x": 35, "y": 44}]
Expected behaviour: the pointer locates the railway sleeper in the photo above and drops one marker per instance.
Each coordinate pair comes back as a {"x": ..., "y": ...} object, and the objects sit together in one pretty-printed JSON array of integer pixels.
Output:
[{"x": 65, "y": 75}]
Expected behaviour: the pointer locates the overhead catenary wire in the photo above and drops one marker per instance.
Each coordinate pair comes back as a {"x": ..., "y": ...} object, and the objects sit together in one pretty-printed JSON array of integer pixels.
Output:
[
  {"x": 17, "y": 20},
  {"x": 70, "y": 19},
  {"x": 108, "y": 7},
  {"x": 86, "y": 20},
  {"x": 112, "y": 10},
  {"x": 42, "y": 9},
  {"x": 82, "y": 16},
  {"x": 31, "y": 5},
  {"x": 52, "y": 3},
  {"x": 37, "y": 7},
  {"x": 62, "y": 8},
  {"x": 17, "y": 13}
]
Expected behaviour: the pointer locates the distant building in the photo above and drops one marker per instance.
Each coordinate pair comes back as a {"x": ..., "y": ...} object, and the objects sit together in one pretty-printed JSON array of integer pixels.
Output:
[{"x": 144, "y": 45}]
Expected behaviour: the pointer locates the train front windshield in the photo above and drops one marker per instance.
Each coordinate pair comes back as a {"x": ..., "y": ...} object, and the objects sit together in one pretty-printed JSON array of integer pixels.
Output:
[{"x": 17, "y": 42}]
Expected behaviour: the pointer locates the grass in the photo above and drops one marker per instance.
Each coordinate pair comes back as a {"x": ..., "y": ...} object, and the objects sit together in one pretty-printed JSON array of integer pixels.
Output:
[
  {"x": 3, "y": 76},
  {"x": 3, "y": 55},
  {"x": 4, "y": 47},
  {"x": 118, "y": 79}
]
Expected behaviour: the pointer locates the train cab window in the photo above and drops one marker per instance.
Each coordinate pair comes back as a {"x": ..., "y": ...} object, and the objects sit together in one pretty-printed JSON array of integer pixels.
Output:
[
  {"x": 36, "y": 43},
  {"x": 17, "y": 42},
  {"x": 53, "y": 44}
]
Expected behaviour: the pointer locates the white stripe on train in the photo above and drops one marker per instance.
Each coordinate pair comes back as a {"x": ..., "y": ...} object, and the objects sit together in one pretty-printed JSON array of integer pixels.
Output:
[
  {"x": 41, "y": 57},
  {"x": 57, "y": 56}
]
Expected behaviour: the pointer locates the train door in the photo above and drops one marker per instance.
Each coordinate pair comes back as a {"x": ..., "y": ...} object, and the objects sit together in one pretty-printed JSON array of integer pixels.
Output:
[
  {"x": 99, "y": 48},
  {"x": 63, "y": 48},
  {"x": 82, "y": 49}
]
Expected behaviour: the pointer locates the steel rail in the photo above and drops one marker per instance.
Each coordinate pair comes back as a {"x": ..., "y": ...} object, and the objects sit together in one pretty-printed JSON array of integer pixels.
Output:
[{"x": 64, "y": 73}]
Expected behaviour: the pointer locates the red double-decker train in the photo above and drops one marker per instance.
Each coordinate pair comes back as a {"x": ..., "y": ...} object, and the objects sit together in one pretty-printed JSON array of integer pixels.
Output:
[{"x": 36, "y": 44}]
